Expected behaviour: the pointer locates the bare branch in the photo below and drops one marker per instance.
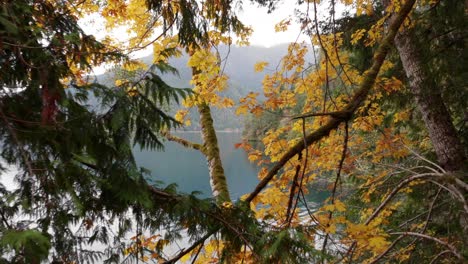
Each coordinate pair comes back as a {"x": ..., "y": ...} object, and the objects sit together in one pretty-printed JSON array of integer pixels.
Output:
[
  {"x": 394, "y": 192},
  {"x": 452, "y": 249},
  {"x": 303, "y": 172},
  {"x": 439, "y": 255}
]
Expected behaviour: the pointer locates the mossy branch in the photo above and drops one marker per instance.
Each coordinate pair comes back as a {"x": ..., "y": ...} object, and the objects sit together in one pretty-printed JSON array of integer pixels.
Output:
[
  {"x": 182, "y": 141},
  {"x": 351, "y": 107}
]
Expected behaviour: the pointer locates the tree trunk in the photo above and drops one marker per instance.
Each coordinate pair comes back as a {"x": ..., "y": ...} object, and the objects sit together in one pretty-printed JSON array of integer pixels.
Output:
[
  {"x": 428, "y": 97},
  {"x": 211, "y": 150},
  {"x": 447, "y": 145}
]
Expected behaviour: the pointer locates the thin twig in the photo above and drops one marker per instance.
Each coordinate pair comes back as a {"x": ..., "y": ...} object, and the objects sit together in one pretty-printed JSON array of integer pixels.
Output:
[
  {"x": 452, "y": 249},
  {"x": 393, "y": 193},
  {"x": 189, "y": 249},
  {"x": 439, "y": 255},
  {"x": 198, "y": 252},
  {"x": 294, "y": 184},
  {"x": 379, "y": 257},
  {"x": 301, "y": 184},
  {"x": 337, "y": 180}
]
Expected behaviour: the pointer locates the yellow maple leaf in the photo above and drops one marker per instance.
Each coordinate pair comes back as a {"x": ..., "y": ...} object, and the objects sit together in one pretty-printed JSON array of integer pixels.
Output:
[
  {"x": 227, "y": 102},
  {"x": 132, "y": 91},
  {"x": 180, "y": 115},
  {"x": 227, "y": 205},
  {"x": 282, "y": 25},
  {"x": 242, "y": 110},
  {"x": 260, "y": 66},
  {"x": 340, "y": 206},
  {"x": 119, "y": 82},
  {"x": 330, "y": 229},
  {"x": 378, "y": 243},
  {"x": 134, "y": 65},
  {"x": 257, "y": 110},
  {"x": 356, "y": 36}
]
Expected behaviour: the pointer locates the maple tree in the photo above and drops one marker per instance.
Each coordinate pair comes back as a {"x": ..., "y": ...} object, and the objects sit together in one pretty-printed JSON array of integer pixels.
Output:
[{"x": 351, "y": 120}]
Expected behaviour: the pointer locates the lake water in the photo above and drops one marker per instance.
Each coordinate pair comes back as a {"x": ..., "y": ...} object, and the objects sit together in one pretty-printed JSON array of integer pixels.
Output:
[{"x": 188, "y": 168}]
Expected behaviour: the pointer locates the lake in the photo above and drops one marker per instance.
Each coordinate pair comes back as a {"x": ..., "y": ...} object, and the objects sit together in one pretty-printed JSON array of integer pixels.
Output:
[{"x": 188, "y": 168}]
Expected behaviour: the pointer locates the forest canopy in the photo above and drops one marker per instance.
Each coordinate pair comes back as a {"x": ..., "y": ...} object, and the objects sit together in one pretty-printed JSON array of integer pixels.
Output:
[{"x": 380, "y": 114}]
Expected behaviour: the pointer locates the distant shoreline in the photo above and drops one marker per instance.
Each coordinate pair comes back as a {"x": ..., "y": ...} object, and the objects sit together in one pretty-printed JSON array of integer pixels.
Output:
[{"x": 199, "y": 131}]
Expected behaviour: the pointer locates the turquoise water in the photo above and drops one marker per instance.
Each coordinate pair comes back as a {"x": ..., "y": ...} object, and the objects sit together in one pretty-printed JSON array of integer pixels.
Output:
[{"x": 188, "y": 169}]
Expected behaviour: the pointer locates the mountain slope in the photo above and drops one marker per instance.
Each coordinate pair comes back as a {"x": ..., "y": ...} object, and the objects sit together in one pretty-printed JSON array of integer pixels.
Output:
[{"x": 239, "y": 66}]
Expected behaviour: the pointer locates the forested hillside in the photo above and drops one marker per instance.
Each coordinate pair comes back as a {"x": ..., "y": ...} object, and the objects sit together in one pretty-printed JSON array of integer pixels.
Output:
[{"x": 238, "y": 64}]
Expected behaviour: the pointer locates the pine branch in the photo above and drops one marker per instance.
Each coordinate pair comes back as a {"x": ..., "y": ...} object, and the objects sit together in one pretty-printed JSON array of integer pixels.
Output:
[
  {"x": 351, "y": 107},
  {"x": 151, "y": 189},
  {"x": 5, "y": 221},
  {"x": 24, "y": 155}
]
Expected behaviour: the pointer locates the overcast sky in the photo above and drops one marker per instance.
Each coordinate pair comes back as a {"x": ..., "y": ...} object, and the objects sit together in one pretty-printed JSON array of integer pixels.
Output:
[{"x": 263, "y": 24}]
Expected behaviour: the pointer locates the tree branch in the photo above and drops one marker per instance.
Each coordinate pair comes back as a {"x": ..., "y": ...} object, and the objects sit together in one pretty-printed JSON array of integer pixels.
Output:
[
  {"x": 439, "y": 255},
  {"x": 351, "y": 107},
  {"x": 182, "y": 141},
  {"x": 394, "y": 192},
  {"x": 379, "y": 257},
  {"x": 24, "y": 155},
  {"x": 189, "y": 249},
  {"x": 336, "y": 114},
  {"x": 337, "y": 180},
  {"x": 452, "y": 249},
  {"x": 151, "y": 189}
]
